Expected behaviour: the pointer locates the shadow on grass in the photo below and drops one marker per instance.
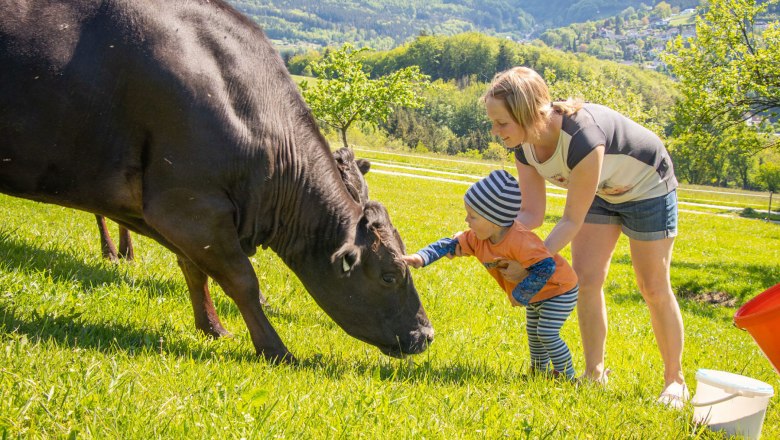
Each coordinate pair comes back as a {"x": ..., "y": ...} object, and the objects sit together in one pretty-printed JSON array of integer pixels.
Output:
[
  {"x": 19, "y": 256},
  {"x": 23, "y": 257},
  {"x": 691, "y": 291},
  {"x": 69, "y": 330},
  {"x": 716, "y": 275},
  {"x": 459, "y": 372}
]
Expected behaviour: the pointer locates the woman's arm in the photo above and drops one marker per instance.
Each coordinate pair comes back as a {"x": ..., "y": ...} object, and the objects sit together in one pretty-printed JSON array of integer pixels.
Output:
[
  {"x": 534, "y": 195},
  {"x": 583, "y": 183},
  {"x": 533, "y": 191}
]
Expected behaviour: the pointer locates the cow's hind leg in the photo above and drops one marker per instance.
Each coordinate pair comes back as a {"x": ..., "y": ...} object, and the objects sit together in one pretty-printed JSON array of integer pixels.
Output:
[
  {"x": 107, "y": 246},
  {"x": 203, "y": 229},
  {"x": 125, "y": 244},
  {"x": 206, "y": 318}
]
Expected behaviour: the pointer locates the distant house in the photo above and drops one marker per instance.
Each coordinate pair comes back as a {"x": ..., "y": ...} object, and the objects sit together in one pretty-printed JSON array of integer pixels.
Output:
[
  {"x": 606, "y": 33},
  {"x": 760, "y": 26},
  {"x": 754, "y": 120},
  {"x": 659, "y": 24}
]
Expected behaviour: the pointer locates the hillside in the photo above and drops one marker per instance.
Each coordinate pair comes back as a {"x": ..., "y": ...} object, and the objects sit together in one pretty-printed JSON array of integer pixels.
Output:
[{"x": 384, "y": 24}]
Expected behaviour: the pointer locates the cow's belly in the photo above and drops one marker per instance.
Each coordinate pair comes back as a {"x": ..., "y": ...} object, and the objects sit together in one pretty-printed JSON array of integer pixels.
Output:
[{"x": 112, "y": 192}]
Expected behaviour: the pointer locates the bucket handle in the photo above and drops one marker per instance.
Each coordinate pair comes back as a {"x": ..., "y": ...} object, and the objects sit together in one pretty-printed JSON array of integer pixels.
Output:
[{"x": 713, "y": 402}]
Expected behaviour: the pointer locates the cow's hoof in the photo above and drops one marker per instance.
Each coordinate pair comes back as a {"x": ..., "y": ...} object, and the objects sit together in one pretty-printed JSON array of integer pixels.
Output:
[{"x": 217, "y": 332}]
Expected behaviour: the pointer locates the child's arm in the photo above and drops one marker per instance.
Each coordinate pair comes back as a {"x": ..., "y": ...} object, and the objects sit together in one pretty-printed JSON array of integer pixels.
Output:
[
  {"x": 538, "y": 274},
  {"x": 432, "y": 252}
]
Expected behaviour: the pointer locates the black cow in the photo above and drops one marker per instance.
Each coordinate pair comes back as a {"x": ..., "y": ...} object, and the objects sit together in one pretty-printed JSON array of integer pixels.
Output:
[
  {"x": 178, "y": 120},
  {"x": 352, "y": 171}
]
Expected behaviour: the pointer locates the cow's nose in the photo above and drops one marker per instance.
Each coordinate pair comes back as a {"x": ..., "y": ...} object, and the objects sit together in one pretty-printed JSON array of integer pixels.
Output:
[
  {"x": 428, "y": 333},
  {"x": 425, "y": 337}
]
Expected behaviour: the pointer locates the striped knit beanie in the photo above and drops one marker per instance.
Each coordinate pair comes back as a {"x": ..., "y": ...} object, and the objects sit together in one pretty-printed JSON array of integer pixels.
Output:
[{"x": 496, "y": 197}]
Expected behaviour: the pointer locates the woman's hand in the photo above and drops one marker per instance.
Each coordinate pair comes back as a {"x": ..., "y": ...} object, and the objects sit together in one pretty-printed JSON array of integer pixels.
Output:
[{"x": 511, "y": 270}]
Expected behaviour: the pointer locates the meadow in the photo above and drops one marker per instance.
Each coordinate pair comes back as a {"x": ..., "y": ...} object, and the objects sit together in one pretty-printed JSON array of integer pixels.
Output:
[{"x": 90, "y": 349}]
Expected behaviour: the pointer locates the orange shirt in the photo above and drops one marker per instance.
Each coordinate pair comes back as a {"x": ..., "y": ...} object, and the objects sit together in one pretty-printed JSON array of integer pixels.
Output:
[{"x": 522, "y": 245}]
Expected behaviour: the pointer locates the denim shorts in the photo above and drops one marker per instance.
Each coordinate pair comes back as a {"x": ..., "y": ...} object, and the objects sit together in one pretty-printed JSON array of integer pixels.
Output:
[{"x": 646, "y": 220}]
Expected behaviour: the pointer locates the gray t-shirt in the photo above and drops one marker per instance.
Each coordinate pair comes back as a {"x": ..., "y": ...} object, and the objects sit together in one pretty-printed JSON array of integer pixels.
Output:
[{"x": 636, "y": 164}]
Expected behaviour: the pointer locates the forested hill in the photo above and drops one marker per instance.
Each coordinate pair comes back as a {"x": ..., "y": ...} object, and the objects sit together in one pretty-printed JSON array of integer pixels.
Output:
[{"x": 383, "y": 24}]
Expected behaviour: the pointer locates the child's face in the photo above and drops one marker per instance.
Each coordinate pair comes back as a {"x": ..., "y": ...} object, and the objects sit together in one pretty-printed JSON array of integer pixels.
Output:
[
  {"x": 504, "y": 125},
  {"x": 483, "y": 228}
]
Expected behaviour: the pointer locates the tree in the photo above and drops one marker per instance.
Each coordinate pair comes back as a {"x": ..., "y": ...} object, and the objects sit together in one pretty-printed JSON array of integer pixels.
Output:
[
  {"x": 728, "y": 72},
  {"x": 345, "y": 94},
  {"x": 506, "y": 57},
  {"x": 769, "y": 176},
  {"x": 661, "y": 10}
]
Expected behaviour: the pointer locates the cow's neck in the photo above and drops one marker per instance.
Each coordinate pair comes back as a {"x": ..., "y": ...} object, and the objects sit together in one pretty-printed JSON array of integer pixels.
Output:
[{"x": 320, "y": 214}]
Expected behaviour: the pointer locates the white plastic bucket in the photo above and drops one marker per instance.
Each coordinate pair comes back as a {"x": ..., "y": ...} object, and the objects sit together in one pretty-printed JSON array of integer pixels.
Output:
[{"x": 731, "y": 403}]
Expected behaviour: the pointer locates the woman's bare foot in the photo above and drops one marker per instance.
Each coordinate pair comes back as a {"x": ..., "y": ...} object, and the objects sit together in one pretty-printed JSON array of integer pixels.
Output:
[
  {"x": 600, "y": 379},
  {"x": 674, "y": 395}
]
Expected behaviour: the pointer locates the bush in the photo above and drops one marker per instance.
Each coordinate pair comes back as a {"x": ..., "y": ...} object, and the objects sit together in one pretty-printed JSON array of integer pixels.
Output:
[
  {"x": 470, "y": 154},
  {"x": 496, "y": 151}
]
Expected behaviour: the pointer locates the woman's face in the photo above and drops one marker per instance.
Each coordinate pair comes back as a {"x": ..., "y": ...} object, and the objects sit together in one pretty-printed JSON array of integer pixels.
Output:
[{"x": 504, "y": 125}]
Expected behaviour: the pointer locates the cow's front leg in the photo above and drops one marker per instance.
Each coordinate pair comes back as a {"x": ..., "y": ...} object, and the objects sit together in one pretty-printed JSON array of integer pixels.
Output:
[
  {"x": 206, "y": 318},
  {"x": 202, "y": 229},
  {"x": 244, "y": 290}
]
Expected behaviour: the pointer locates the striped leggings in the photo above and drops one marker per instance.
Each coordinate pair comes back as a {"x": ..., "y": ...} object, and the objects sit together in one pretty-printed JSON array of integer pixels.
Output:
[{"x": 544, "y": 322}]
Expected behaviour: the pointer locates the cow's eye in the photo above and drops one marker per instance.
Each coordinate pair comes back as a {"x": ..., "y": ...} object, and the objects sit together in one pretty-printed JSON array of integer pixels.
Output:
[{"x": 389, "y": 278}]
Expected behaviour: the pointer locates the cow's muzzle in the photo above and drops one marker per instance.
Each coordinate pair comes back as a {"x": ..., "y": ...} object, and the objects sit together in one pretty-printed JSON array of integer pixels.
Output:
[{"x": 417, "y": 343}]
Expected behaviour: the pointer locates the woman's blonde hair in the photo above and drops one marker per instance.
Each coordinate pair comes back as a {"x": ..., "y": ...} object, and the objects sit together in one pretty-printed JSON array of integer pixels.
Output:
[{"x": 527, "y": 98}]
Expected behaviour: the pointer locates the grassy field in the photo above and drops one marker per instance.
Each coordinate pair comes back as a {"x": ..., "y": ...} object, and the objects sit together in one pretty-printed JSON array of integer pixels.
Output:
[{"x": 90, "y": 349}]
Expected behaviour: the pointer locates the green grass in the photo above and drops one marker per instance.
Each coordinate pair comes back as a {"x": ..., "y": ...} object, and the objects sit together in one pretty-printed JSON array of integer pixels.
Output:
[{"x": 90, "y": 349}]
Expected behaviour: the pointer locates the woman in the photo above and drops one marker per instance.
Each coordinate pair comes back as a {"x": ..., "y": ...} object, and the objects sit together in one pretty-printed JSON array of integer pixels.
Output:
[{"x": 619, "y": 178}]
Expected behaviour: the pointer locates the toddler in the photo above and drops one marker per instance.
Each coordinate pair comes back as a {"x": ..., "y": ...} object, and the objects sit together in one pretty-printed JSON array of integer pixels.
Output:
[{"x": 549, "y": 292}]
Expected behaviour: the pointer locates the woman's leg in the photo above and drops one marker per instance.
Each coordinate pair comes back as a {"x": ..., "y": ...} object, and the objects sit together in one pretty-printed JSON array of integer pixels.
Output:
[
  {"x": 591, "y": 252},
  {"x": 553, "y": 313},
  {"x": 651, "y": 260},
  {"x": 539, "y": 358}
]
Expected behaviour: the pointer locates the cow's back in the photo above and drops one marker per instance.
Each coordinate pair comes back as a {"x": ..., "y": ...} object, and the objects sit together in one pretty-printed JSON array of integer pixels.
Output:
[{"x": 102, "y": 101}]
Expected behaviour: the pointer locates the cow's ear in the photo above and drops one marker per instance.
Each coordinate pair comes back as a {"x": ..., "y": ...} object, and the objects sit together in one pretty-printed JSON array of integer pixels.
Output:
[
  {"x": 363, "y": 165},
  {"x": 376, "y": 215},
  {"x": 345, "y": 259}
]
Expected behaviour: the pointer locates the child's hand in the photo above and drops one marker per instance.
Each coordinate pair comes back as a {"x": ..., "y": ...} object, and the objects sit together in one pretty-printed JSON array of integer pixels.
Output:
[
  {"x": 458, "y": 251},
  {"x": 414, "y": 260}
]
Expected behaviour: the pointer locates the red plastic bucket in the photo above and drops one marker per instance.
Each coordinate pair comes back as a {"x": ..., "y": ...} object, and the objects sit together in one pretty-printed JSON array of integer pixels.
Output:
[{"x": 761, "y": 318}]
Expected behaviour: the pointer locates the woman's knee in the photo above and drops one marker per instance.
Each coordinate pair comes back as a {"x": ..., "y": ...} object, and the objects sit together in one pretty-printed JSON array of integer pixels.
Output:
[
  {"x": 590, "y": 282},
  {"x": 657, "y": 293}
]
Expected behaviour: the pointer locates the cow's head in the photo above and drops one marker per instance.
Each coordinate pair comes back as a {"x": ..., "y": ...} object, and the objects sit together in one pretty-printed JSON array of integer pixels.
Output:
[{"x": 370, "y": 293}]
